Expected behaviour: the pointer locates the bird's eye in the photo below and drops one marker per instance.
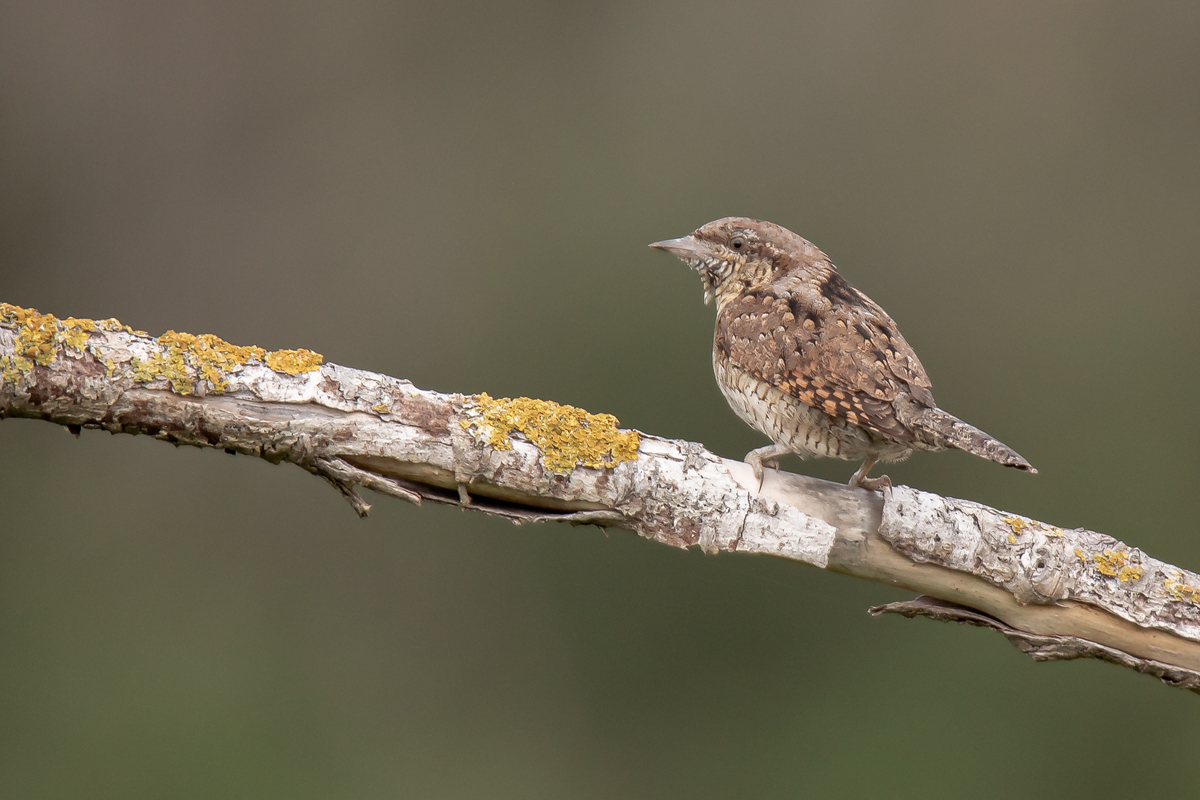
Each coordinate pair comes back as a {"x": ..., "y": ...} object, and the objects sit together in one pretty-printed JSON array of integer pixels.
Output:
[{"x": 737, "y": 242}]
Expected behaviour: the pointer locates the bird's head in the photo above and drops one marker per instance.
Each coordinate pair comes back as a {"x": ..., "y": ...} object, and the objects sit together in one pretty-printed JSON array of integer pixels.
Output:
[{"x": 735, "y": 253}]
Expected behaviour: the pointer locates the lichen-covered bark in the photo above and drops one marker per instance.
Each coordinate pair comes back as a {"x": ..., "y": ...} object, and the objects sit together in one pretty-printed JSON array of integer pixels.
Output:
[
  {"x": 1055, "y": 593},
  {"x": 1042, "y": 564}
]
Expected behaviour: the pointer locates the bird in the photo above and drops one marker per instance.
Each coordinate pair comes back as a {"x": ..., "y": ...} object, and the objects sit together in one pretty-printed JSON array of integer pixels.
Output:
[{"x": 813, "y": 363}]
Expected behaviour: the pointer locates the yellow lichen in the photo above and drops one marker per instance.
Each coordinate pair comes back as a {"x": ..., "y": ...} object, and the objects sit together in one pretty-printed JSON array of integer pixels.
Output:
[
  {"x": 185, "y": 359},
  {"x": 1080, "y": 555},
  {"x": 380, "y": 408},
  {"x": 210, "y": 356},
  {"x": 293, "y": 362},
  {"x": 115, "y": 326},
  {"x": 38, "y": 337},
  {"x": 567, "y": 437},
  {"x": 1017, "y": 525},
  {"x": 76, "y": 331},
  {"x": 206, "y": 356},
  {"x": 141, "y": 372},
  {"x": 8, "y": 370},
  {"x": 170, "y": 366},
  {"x": 1108, "y": 562},
  {"x": 1115, "y": 564},
  {"x": 11, "y": 313},
  {"x": 1131, "y": 573},
  {"x": 1180, "y": 591}
]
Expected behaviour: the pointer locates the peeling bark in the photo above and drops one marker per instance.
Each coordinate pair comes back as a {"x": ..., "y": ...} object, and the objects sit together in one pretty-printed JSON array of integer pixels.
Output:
[{"x": 1056, "y": 594}]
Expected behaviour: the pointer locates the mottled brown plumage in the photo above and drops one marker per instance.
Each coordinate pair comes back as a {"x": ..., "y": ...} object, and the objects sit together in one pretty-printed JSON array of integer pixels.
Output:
[{"x": 810, "y": 361}]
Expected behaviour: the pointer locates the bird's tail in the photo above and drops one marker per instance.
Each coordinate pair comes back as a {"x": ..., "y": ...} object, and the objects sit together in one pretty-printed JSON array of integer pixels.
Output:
[{"x": 948, "y": 430}]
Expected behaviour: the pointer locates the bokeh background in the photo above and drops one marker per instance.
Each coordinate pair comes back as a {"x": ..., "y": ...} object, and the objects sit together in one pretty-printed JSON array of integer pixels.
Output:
[{"x": 461, "y": 194}]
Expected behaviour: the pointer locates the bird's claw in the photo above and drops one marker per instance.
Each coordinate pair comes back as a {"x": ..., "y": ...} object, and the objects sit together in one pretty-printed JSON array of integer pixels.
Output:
[
  {"x": 759, "y": 464},
  {"x": 874, "y": 484},
  {"x": 763, "y": 457}
]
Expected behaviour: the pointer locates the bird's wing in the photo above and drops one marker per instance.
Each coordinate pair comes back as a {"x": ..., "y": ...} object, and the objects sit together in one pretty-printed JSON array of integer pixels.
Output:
[{"x": 850, "y": 363}]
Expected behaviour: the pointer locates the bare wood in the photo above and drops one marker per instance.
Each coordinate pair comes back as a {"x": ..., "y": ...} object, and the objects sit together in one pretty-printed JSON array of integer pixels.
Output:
[{"x": 1056, "y": 594}]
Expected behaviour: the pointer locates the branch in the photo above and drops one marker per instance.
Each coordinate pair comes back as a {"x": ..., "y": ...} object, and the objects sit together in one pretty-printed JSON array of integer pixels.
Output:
[{"x": 1056, "y": 594}]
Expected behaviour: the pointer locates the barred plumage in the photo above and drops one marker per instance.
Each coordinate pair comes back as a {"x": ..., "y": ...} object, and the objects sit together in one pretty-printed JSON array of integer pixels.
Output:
[{"x": 810, "y": 361}]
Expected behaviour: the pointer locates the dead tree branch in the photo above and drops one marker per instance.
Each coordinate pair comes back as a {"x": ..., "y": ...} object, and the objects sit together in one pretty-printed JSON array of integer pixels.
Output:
[{"x": 1056, "y": 594}]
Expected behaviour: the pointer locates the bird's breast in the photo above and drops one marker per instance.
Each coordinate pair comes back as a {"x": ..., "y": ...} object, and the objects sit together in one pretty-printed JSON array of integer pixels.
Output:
[{"x": 785, "y": 419}]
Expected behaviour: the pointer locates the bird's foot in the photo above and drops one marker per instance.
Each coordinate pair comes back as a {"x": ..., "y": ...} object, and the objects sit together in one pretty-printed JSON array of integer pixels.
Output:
[
  {"x": 764, "y": 457},
  {"x": 874, "y": 484},
  {"x": 870, "y": 484}
]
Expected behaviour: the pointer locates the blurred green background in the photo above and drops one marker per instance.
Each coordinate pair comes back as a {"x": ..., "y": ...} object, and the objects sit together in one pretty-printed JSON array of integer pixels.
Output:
[{"x": 462, "y": 194}]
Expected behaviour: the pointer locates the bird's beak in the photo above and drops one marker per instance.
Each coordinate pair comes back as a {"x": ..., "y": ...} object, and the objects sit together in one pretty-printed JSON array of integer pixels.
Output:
[{"x": 686, "y": 248}]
